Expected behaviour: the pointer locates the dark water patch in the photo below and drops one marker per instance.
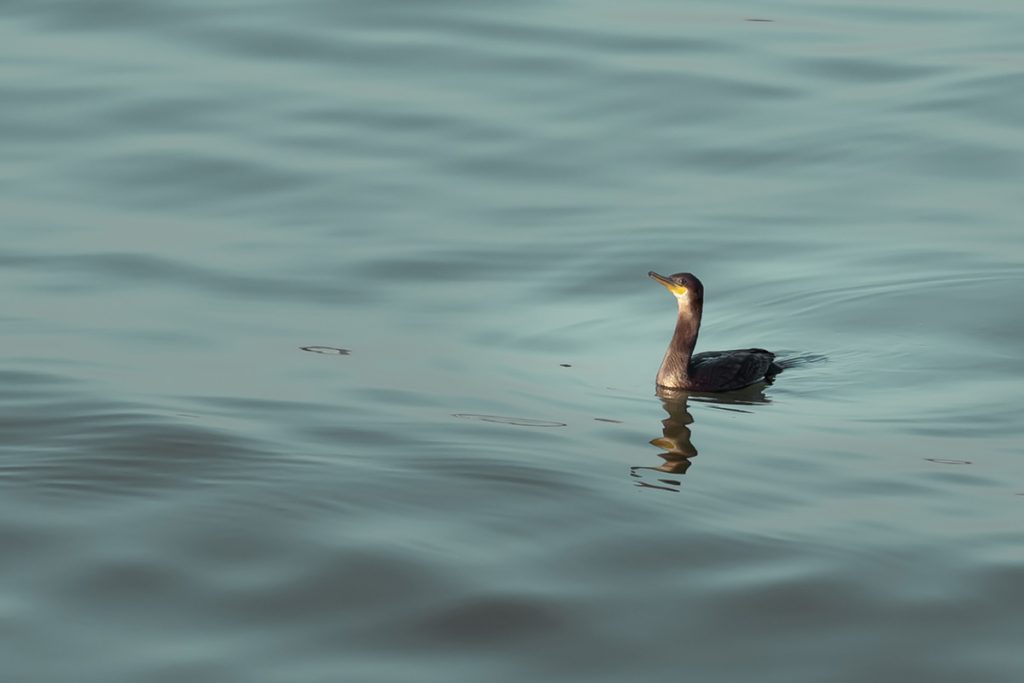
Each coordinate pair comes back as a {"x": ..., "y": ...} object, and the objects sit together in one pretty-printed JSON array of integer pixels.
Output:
[
  {"x": 486, "y": 471},
  {"x": 993, "y": 98},
  {"x": 486, "y": 621},
  {"x": 19, "y": 385},
  {"x": 372, "y": 582},
  {"x": 867, "y": 71},
  {"x": 133, "y": 456},
  {"x": 347, "y": 438},
  {"x": 161, "y": 177},
  {"x": 896, "y": 283},
  {"x": 517, "y": 33},
  {"x": 242, "y": 406},
  {"x": 66, "y": 440},
  {"x": 283, "y": 43},
  {"x": 378, "y": 132},
  {"x": 878, "y": 14},
  {"x": 400, "y": 397},
  {"x": 458, "y": 265},
  {"x": 328, "y": 432},
  {"x": 98, "y": 271},
  {"x": 965, "y": 158},
  {"x": 758, "y": 158},
  {"x": 35, "y": 116},
  {"x": 990, "y": 418},
  {"x": 170, "y": 114},
  {"x": 107, "y": 16}
]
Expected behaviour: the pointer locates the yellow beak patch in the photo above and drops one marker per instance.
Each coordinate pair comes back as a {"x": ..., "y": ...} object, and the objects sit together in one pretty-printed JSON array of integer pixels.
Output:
[{"x": 671, "y": 286}]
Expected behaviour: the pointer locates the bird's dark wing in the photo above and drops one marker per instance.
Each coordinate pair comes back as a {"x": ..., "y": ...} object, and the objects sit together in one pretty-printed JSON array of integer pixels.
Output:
[{"x": 727, "y": 370}]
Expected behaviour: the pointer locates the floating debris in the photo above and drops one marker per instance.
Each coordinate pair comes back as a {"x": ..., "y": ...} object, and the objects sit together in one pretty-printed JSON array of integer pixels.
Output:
[
  {"x": 518, "y": 421},
  {"x": 949, "y": 461},
  {"x": 326, "y": 350},
  {"x": 608, "y": 419},
  {"x": 564, "y": 365}
]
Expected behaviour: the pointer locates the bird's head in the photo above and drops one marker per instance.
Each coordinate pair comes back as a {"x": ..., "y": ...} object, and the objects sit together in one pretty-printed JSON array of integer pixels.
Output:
[{"x": 686, "y": 288}]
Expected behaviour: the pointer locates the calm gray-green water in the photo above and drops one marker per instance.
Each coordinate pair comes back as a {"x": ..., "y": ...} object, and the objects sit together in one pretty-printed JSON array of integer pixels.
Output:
[{"x": 465, "y": 199}]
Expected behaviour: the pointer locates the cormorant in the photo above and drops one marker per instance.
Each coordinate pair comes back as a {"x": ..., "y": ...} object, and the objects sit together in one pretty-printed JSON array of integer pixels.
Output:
[{"x": 710, "y": 370}]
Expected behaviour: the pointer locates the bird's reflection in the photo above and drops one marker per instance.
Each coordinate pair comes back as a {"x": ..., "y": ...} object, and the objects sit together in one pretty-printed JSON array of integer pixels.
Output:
[{"x": 677, "y": 448}]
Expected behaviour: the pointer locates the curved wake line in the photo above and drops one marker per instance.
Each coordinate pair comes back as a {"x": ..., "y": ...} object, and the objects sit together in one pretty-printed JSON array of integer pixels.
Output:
[{"x": 792, "y": 359}]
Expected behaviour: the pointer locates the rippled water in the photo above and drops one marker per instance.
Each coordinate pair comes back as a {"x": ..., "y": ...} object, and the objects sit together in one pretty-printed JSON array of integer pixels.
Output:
[{"x": 466, "y": 474}]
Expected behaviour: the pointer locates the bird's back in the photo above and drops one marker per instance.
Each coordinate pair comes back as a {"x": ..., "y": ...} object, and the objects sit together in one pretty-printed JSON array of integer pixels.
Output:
[{"x": 728, "y": 370}]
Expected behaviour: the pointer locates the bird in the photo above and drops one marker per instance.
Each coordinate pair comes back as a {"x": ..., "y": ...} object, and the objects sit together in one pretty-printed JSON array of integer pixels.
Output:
[{"x": 710, "y": 371}]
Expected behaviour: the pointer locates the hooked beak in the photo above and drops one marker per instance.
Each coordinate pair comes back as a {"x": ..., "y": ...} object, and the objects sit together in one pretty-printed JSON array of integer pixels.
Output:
[{"x": 671, "y": 286}]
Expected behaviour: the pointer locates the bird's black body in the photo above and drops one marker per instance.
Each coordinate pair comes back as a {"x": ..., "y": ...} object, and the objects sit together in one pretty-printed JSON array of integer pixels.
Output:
[
  {"x": 710, "y": 370},
  {"x": 728, "y": 370}
]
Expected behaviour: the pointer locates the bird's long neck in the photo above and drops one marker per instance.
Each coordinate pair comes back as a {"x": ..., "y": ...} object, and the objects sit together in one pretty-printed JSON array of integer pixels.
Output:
[{"x": 674, "y": 371}]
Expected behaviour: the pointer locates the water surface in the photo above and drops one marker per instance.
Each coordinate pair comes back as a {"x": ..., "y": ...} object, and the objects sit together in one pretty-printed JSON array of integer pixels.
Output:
[{"x": 454, "y": 206}]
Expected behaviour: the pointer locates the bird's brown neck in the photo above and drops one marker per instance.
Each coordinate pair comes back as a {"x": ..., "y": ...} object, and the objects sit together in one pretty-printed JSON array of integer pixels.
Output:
[{"x": 674, "y": 371}]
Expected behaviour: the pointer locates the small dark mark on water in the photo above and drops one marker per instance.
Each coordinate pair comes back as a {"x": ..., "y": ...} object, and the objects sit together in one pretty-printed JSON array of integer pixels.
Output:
[
  {"x": 948, "y": 461},
  {"x": 564, "y": 365},
  {"x": 518, "y": 421},
  {"x": 326, "y": 350},
  {"x": 763, "y": 21},
  {"x": 656, "y": 487},
  {"x": 606, "y": 419}
]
